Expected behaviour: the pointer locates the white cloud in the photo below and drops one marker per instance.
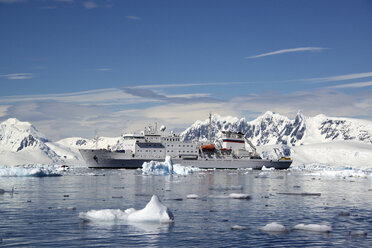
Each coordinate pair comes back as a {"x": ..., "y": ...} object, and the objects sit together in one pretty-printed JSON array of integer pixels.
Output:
[
  {"x": 15, "y": 76},
  {"x": 329, "y": 102},
  {"x": 3, "y": 110},
  {"x": 109, "y": 96},
  {"x": 132, "y": 17},
  {"x": 340, "y": 77},
  {"x": 90, "y": 5},
  {"x": 290, "y": 50},
  {"x": 112, "y": 110},
  {"x": 104, "y": 69},
  {"x": 352, "y": 85}
]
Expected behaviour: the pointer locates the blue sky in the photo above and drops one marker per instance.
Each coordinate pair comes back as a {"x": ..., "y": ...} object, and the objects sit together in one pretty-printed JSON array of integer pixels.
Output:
[{"x": 73, "y": 66}]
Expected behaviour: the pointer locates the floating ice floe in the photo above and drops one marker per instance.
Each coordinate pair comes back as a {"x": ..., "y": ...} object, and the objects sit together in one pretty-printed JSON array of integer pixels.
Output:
[
  {"x": 313, "y": 227},
  {"x": 358, "y": 233},
  {"x": 31, "y": 170},
  {"x": 273, "y": 227},
  {"x": 232, "y": 196},
  {"x": 192, "y": 196},
  {"x": 222, "y": 188},
  {"x": 322, "y": 170},
  {"x": 267, "y": 169},
  {"x": 154, "y": 212},
  {"x": 166, "y": 168},
  {"x": 239, "y": 196},
  {"x": 237, "y": 227}
]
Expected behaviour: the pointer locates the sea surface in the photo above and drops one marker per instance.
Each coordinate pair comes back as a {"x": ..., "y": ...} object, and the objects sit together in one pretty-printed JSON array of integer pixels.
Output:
[{"x": 44, "y": 211}]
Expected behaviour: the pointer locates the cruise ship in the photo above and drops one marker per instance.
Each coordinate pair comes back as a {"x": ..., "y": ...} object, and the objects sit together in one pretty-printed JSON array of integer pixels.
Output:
[{"x": 155, "y": 144}]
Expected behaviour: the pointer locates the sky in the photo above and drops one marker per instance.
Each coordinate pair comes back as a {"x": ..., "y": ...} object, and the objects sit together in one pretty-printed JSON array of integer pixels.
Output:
[{"x": 85, "y": 67}]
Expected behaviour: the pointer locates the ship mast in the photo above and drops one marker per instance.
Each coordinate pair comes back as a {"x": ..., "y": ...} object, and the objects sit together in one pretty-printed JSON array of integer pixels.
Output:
[{"x": 210, "y": 128}]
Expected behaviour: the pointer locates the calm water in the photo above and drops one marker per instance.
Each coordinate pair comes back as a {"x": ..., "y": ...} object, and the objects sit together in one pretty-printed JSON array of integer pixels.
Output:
[{"x": 39, "y": 212}]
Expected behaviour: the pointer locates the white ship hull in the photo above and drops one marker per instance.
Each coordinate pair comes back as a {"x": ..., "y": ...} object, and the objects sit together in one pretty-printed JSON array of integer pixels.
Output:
[{"x": 106, "y": 159}]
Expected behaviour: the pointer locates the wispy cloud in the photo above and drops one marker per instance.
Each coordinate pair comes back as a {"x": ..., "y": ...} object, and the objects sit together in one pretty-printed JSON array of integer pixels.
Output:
[
  {"x": 12, "y": 1},
  {"x": 352, "y": 85},
  {"x": 80, "y": 113},
  {"x": 177, "y": 99},
  {"x": 325, "y": 101},
  {"x": 107, "y": 97},
  {"x": 104, "y": 69},
  {"x": 290, "y": 50},
  {"x": 339, "y": 78},
  {"x": 90, "y": 5},
  {"x": 15, "y": 76},
  {"x": 153, "y": 86},
  {"x": 132, "y": 17}
]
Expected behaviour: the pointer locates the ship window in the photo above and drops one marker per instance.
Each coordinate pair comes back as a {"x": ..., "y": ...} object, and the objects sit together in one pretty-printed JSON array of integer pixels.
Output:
[{"x": 187, "y": 145}]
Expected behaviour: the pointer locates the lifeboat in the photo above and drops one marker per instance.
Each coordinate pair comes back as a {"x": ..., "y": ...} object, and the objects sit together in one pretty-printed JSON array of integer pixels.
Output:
[{"x": 209, "y": 147}]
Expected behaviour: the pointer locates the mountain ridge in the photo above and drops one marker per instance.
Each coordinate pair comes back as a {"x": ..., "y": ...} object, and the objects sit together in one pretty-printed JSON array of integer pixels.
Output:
[{"x": 21, "y": 142}]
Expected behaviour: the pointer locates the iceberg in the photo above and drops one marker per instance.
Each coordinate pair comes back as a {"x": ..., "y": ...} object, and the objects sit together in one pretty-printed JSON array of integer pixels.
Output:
[
  {"x": 154, "y": 212},
  {"x": 166, "y": 168},
  {"x": 31, "y": 170}
]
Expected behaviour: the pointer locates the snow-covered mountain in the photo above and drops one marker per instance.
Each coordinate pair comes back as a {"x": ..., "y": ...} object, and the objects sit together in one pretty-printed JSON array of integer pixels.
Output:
[
  {"x": 272, "y": 128},
  {"x": 21, "y": 142},
  {"x": 319, "y": 139}
]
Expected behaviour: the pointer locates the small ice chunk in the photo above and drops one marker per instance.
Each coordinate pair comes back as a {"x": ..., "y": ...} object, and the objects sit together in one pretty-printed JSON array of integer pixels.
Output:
[
  {"x": 313, "y": 227},
  {"x": 267, "y": 169},
  {"x": 237, "y": 227},
  {"x": 358, "y": 233},
  {"x": 192, "y": 196},
  {"x": 273, "y": 227},
  {"x": 239, "y": 196},
  {"x": 71, "y": 208}
]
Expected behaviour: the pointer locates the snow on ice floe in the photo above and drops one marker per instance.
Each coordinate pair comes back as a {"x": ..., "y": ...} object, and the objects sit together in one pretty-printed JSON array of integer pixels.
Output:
[
  {"x": 313, "y": 227},
  {"x": 192, "y": 196},
  {"x": 237, "y": 227},
  {"x": 154, "y": 212},
  {"x": 334, "y": 172},
  {"x": 166, "y": 168},
  {"x": 31, "y": 170},
  {"x": 273, "y": 227},
  {"x": 231, "y": 196}
]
